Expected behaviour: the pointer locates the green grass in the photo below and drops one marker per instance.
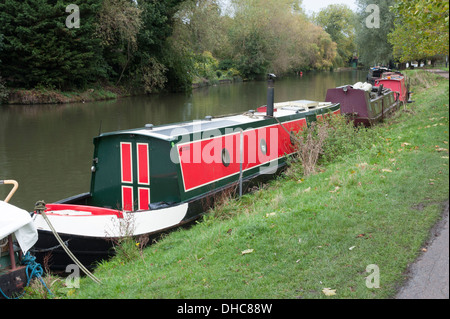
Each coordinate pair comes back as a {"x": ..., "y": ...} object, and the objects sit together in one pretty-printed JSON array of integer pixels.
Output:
[{"x": 380, "y": 201}]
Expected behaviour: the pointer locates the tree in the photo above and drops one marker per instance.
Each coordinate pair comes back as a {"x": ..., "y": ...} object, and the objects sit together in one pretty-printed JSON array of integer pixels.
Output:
[
  {"x": 118, "y": 26},
  {"x": 421, "y": 29},
  {"x": 158, "y": 57},
  {"x": 3, "y": 90},
  {"x": 276, "y": 36},
  {"x": 339, "y": 22},
  {"x": 39, "y": 49},
  {"x": 372, "y": 39}
]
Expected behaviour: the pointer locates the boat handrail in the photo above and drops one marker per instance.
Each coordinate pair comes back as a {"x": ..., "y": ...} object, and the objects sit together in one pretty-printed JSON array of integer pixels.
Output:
[{"x": 15, "y": 187}]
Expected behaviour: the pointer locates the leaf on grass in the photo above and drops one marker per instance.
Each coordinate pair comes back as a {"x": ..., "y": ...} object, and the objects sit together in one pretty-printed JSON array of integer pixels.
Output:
[
  {"x": 271, "y": 214},
  {"x": 307, "y": 190},
  {"x": 386, "y": 170},
  {"x": 335, "y": 189},
  {"x": 351, "y": 248},
  {"x": 404, "y": 144},
  {"x": 329, "y": 291},
  {"x": 247, "y": 251}
]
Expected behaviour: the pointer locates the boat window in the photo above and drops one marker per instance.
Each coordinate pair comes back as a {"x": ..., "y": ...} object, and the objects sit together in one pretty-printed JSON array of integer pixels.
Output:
[
  {"x": 225, "y": 157},
  {"x": 263, "y": 146}
]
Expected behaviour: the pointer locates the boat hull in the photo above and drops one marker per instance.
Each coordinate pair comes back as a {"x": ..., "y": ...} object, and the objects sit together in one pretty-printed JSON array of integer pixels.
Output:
[
  {"x": 364, "y": 107},
  {"x": 91, "y": 250}
]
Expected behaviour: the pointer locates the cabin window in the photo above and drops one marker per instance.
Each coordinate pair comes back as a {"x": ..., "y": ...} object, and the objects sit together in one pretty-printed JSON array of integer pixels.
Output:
[
  {"x": 263, "y": 146},
  {"x": 225, "y": 157}
]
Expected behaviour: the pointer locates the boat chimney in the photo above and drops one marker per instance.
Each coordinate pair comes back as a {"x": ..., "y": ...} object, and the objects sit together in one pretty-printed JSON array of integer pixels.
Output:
[{"x": 270, "y": 94}]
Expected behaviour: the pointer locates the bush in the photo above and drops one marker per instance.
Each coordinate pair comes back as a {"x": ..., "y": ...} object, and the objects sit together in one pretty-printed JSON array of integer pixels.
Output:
[
  {"x": 3, "y": 91},
  {"x": 328, "y": 141}
]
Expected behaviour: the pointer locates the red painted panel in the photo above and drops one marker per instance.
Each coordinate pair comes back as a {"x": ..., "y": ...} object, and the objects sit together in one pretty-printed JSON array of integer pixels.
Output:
[
  {"x": 95, "y": 211},
  {"x": 126, "y": 162},
  {"x": 143, "y": 164},
  {"x": 127, "y": 198},
  {"x": 144, "y": 198},
  {"x": 201, "y": 161}
]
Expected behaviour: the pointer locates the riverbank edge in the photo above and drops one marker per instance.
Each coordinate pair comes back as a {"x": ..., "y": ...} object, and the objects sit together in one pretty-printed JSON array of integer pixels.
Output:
[
  {"x": 97, "y": 93},
  {"x": 52, "y": 96}
]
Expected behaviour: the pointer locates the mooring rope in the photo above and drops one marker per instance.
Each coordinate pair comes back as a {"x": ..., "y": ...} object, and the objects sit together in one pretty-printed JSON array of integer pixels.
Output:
[
  {"x": 40, "y": 208},
  {"x": 32, "y": 270}
]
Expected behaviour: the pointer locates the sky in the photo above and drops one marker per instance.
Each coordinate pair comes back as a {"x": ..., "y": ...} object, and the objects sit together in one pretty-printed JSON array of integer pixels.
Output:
[{"x": 315, "y": 5}]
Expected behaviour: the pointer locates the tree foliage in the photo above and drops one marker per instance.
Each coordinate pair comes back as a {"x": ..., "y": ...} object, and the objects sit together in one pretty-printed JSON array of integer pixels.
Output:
[
  {"x": 40, "y": 50},
  {"x": 421, "y": 29},
  {"x": 372, "y": 42},
  {"x": 339, "y": 22},
  {"x": 159, "y": 44}
]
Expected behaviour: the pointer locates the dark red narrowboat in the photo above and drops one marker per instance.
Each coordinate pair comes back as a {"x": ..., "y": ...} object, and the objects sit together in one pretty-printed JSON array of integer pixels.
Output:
[
  {"x": 363, "y": 103},
  {"x": 148, "y": 180}
]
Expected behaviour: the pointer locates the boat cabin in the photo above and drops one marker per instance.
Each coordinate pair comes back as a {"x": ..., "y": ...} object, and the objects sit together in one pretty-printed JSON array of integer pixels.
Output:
[
  {"x": 396, "y": 82},
  {"x": 362, "y": 102}
]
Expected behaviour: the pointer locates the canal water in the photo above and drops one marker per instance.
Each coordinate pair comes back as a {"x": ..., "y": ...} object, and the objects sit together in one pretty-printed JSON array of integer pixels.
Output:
[{"x": 48, "y": 148}]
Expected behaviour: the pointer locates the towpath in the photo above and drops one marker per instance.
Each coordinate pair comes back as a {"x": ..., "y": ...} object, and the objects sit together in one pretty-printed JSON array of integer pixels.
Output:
[
  {"x": 439, "y": 72},
  {"x": 429, "y": 275}
]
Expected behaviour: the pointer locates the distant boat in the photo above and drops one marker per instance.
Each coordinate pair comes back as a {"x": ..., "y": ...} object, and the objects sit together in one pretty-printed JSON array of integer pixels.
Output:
[
  {"x": 376, "y": 73},
  {"x": 395, "y": 81},
  {"x": 148, "y": 180},
  {"x": 363, "y": 103}
]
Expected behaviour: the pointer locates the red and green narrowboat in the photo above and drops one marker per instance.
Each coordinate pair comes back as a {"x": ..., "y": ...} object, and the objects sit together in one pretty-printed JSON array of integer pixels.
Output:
[
  {"x": 363, "y": 103},
  {"x": 155, "y": 178}
]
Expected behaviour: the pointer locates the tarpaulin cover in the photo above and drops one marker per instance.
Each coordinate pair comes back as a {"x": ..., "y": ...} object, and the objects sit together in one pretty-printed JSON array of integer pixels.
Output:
[{"x": 18, "y": 221}]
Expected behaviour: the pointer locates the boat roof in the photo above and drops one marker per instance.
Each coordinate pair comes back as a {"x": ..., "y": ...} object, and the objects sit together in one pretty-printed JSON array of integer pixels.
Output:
[{"x": 170, "y": 132}]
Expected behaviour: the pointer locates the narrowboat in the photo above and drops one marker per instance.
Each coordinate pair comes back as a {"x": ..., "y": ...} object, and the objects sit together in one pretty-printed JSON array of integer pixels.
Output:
[
  {"x": 149, "y": 180},
  {"x": 363, "y": 103},
  {"x": 376, "y": 73},
  {"x": 17, "y": 236},
  {"x": 395, "y": 81}
]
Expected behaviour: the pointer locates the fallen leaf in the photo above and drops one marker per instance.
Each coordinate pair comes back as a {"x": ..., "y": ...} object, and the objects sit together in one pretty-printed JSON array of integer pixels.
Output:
[
  {"x": 424, "y": 249},
  {"x": 307, "y": 190},
  {"x": 386, "y": 170},
  {"x": 405, "y": 143},
  {"x": 329, "y": 291},
  {"x": 247, "y": 251},
  {"x": 271, "y": 214},
  {"x": 335, "y": 189},
  {"x": 351, "y": 248}
]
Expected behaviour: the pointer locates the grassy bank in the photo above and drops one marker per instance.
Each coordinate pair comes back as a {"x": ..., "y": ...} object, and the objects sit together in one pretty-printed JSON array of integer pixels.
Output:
[{"x": 373, "y": 205}]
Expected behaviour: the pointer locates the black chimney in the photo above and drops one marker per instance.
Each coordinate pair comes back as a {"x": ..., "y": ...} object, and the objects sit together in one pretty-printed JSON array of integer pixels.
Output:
[{"x": 270, "y": 94}]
